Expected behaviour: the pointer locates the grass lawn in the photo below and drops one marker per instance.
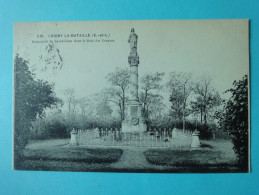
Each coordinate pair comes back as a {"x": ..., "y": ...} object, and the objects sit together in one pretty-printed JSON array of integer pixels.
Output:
[
  {"x": 38, "y": 156},
  {"x": 215, "y": 156},
  {"x": 57, "y": 155},
  {"x": 197, "y": 158},
  {"x": 75, "y": 154}
]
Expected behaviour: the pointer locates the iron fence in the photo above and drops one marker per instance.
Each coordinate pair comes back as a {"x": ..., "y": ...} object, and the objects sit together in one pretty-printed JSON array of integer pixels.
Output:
[{"x": 156, "y": 138}]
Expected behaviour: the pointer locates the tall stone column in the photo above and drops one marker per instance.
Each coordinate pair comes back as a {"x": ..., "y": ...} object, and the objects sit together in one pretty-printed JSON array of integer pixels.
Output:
[
  {"x": 133, "y": 122},
  {"x": 134, "y": 83}
]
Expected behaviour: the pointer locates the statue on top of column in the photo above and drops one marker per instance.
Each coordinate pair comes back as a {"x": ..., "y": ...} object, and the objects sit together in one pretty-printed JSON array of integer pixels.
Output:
[{"x": 133, "y": 39}]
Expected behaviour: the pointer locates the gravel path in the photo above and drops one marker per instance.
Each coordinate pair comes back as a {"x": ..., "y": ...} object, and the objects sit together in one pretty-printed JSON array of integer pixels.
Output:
[
  {"x": 44, "y": 144},
  {"x": 133, "y": 158}
]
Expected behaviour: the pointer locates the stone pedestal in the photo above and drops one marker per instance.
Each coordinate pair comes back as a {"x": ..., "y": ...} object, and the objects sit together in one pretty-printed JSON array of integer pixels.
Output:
[
  {"x": 73, "y": 140},
  {"x": 174, "y": 133},
  {"x": 97, "y": 133},
  {"x": 195, "y": 140},
  {"x": 134, "y": 122}
]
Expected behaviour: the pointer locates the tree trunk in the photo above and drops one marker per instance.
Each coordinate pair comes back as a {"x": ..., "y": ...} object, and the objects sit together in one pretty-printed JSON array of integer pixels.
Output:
[
  {"x": 146, "y": 112},
  {"x": 201, "y": 115},
  {"x": 183, "y": 118},
  {"x": 123, "y": 104},
  {"x": 121, "y": 110},
  {"x": 145, "y": 105},
  {"x": 184, "y": 105}
]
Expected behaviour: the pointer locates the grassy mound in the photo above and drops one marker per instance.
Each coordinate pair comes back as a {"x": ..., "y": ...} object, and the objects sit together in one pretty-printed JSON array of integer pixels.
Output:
[
  {"x": 68, "y": 159},
  {"x": 75, "y": 154},
  {"x": 187, "y": 157},
  {"x": 193, "y": 161}
]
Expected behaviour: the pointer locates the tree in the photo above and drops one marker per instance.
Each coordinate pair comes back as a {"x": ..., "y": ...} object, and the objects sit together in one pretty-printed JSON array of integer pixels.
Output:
[
  {"x": 206, "y": 98},
  {"x": 150, "y": 83},
  {"x": 197, "y": 107},
  {"x": 84, "y": 104},
  {"x": 71, "y": 102},
  {"x": 70, "y": 97},
  {"x": 176, "y": 99},
  {"x": 156, "y": 109},
  {"x": 103, "y": 110},
  {"x": 234, "y": 118},
  {"x": 114, "y": 96},
  {"x": 31, "y": 98},
  {"x": 180, "y": 86},
  {"x": 120, "y": 81}
]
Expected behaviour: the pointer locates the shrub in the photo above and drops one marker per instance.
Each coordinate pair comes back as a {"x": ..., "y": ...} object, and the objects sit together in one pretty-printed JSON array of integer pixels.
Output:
[
  {"x": 57, "y": 130},
  {"x": 205, "y": 130},
  {"x": 32, "y": 97},
  {"x": 234, "y": 119}
]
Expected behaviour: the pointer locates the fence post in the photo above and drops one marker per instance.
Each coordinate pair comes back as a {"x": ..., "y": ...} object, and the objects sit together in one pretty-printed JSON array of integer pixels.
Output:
[
  {"x": 164, "y": 137},
  {"x": 101, "y": 132},
  {"x": 195, "y": 140},
  {"x": 125, "y": 139},
  {"x": 139, "y": 139},
  {"x": 114, "y": 135},
  {"x": 170, "y": 137},
  {"x": 174, "y": 133},
  {"x": 156, "y": 138},
  {"x": 73, "y": 140},
  {"x": 148, "y": 139},
  {"x": 79, "y": 136},
  {"x": 110, "y": 136},
  {"x": 144, "y": 143}
]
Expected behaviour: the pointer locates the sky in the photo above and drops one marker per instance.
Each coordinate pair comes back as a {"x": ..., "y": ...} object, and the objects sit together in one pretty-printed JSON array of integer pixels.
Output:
[{"x": 215, "y": 48}]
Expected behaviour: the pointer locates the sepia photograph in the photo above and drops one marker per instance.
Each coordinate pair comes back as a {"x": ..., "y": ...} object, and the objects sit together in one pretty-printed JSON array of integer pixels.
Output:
[{"x": 144, "y": 96}]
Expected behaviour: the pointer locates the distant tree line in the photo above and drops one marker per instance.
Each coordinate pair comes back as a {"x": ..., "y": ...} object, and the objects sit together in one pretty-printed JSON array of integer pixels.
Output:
[{"x": 190, "y": 104}]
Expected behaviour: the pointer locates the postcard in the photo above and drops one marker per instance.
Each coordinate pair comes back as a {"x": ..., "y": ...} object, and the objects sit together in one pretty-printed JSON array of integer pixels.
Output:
[{"x": 154, "y": 96}]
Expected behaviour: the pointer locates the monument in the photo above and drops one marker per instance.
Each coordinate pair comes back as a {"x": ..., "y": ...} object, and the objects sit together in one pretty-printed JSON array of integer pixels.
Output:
[{"x": 134, "y": 121}]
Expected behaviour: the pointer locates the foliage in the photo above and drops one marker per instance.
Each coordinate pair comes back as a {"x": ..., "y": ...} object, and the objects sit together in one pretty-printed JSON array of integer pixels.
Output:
[
  {"x": 180, "y": 86},
  {"x": 150, "y": 86},
  {"x": 103, "y": 110},
  {"x": 206, "y": 131},
  {"x": 156, "y": 109},
  {"x": 31, "y": 98},
  {"x": 108, "y": 124},
  {"x": 56, "y": 125},
  {"x": 49, "y": 128},
  {"x": 206, "y": 99},
  {"x": 70, "y": 99},
  {"x": 114, "y": 96},
  {"x": 234, "y": 118},
  {"x": 120, "y": 82},
  {"x": 84, "y": 106}
]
